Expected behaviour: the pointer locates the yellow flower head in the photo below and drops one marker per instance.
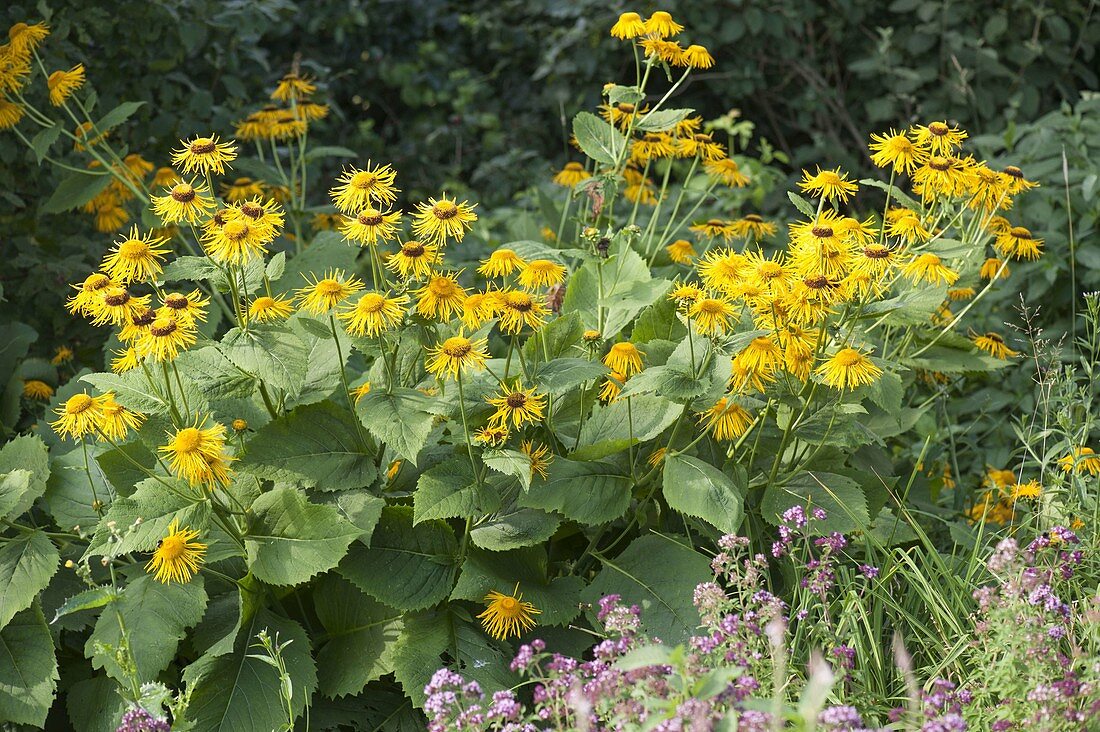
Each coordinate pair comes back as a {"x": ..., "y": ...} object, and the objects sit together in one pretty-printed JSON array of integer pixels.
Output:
[
  {"x": 178, "y": 556},
  {"x": 928, "y": 267},
  {"x": 519, "y": 309},
  {"x": 197, "y": 454},
  {"x": 908, "y": 226},
  {"x": 454, "y": 355},
  {"x": 541, "y": 273},
  {"x": 437, "y": 221},
  {"x": 895, "y": 149},
  {"x": 80, "y": 415},
  {"x": 697, "y": 57},
  {"x": 242, "y": 189},
  {"x": 847, "y": 369},
  {"x": 264, "y": 217},
  {"x": 1083, "y": 460},
  {"x": 135, "y": 257},
  {"x": 361, "y": 391},
  {"x": 540, "y": 457},
  {"x": 830, "y": 184},
  {"x": 714, "y": 228},
  {"x": 23, "y": 38},
  {"x": 441, "y": 297},
  {"x": 62, "y": 84},
  {"x": 414, "y": 260},
  {"x": 1019, "y": 242},
  {"x": 37, "y": 390},
  {"x": 753, "y": 226},
  {"x": 629, "y": 25},
  {"x": 1016, "y": 181},
  {"x": 324, "y": 294},
  {"x": 491, "y": 435},
  {"x": 293, "y": 87},
  {"x": 624, "y": 358},
  {"x": 116, "y": 306},
  {"x": 184, "y": 202},
  {"x": 374, "y": 313},
  {"x": 993, "y": 267},
  {"x": 612, "y": 385},
  {"x": 571, "y": 175},
  {"x": 711, "y": 314},
  {"x": 190, "y": 307},
  {"x": 204, "y": 155},
  {"x": 501, "y": 263},
  {"x": 10, "y": 114},
  {"x": 265, "y": 309},
  {"x": 88, "y": 293},
  {"x": 727, "y": 171},
  {"x": 661, "y": 25},
  {"x": 117, "y": 420},
  {"x": 518, "y": 406},
  {"x": 726, "y": 420},
  {"x": 938, "y": 137},
  {"x": 370, "y": 226},
  {"x": 994, "y": 345},
  {"x": 668, "y": 51},
  {"x": 125, "y": 360},
  {"x": 233, "y": 242},
  {"x": 681, "y": 251},
  {"x": 1028, "y": 491},
  {"x": 507, "y": 615},
  {"x": 361, "y": 188},
  {"x": 165, "y": 338},
  {"x": 479, "y": 307}
]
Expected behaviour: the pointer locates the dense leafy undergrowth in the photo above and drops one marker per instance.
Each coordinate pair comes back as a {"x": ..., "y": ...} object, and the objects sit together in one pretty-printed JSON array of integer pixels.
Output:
[{"x": 345, "y": 462}]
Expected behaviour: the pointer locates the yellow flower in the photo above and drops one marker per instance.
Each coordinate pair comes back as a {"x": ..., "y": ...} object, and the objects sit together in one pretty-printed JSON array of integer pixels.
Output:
[
  {"x": 135, "y": 258},
  {"x": 540, "y": 457},
  {"x": 234, "y": 242},
  {"x": 726, "y": 420},
  {"x": 455, "y": 354},
  {"x": 264, "y": 218},
  {"x": 10, "y": 114},
  {"x": 326, "y": 221},
  {"x": 762, "y": 356},
  {"x": 629, "y": 25},
  {"x": 994, "y": 345},
  {"x": 178, "y": 556},
  {"x": 1016, "y": 181},
  {"x": 753, "y": 226},
  {"x": 897, "y": 150},
  {"x": 62, "y": 354},
  {"x": 479, "y": 308},
  {"x": 204, "y": 155},
  {"x": 702, "y": 144},
  {"x": 930, "y": 268},
  {"x": 62, "y": 84},
  {"x": 624, "y": 358},
  {"x": 441, "y": 297},
  {"x": 501, "y": 263},
  {"x": 591, "y": 336},
  {"x": 371, "y": 225},
  {"x": 37, "y": 390},
  {"x": 541, "y": 273},
  {"x": 697, "y": 57},
  {"x": 668, "y": 51},
  {"x": 242, "y": 189},
  {"x": 360, "y": 188},
  {"x": 414, "y": 261},
  {"x": 722, "y": 269},
  {"x": 491, "y": 435},
  {"x": 507, "y": 615},
  {"x": 1083, "y": 459},
  {"x": 1028, "y": 491},
  {"x": 80, "y": 415},
  {"x": 1018, "y": 242},
  {"x": 189, "y": 307},
  {"x": 941, "y": 175},
  {"x": 293, "y": 87},
  {"x": 652, "y": 146},
  {"x": 117, "y": 306},
  {"x": 184, "y": 202},
  {"x": 197, "y": 454},
  {"x": 117, "y": 420},
  {"x": 23, "y": 38},
  {"x": 847, "y": 369},
  {"x": 571, "y": 175},
  {"x": 938, "y": 137},
  {"x": 829, "y": 184},
  {"x": 240, "y": 425},
  {"x": 519, "y": 406},
  {"x": 126, "y": 360},
  {"x": 612, "y": 385},
  {"x": 324, "y": 294},
  {"x": 166, "y": 178},
  {"x": 991, "y": 267},
  {"x": 711, "y": 314},
  {"x": 265, "y": 309},
  {"x": 519, "y": 309},
  {"x": 361, "y": 391},
  {"x": 657, "y": 457},
  {"x": 165, "y": 338},
  {"x": 907, "y": 225},
  {"x": 681, "y": 251},
  {"x": 713, "y": 228},
  {"x": 436, "y": 221},
  {"x": 374, "y": 313},
  {"x": 662, "y": 25}
]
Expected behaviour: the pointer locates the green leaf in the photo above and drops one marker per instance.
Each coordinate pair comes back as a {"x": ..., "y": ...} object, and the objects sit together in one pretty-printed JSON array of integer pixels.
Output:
[
  {"x": 239, "y": 691},
  {"x": 658, "y": 322},
  {"x": 483, "y": 572},
  {"x": 397, "y": 419},
  {"x": 290, "y": 540},
  {"x": 359, "y": 507},
  {"x": 641, "y": 418},
  {"x": 424, "y": 638},
  {"x": 42, "y": 142},
  {"x": 156, "y": 617},
  {"x": 841, "y": 497},
  {"x": 69, "y": 493},
  {"x": 27, "y": 563},
  {"x": 328, "y": 250},
  {"x": 804, "y": 206},
  {"x": 322, "y": 375},
  {"x": 117, "y": 116},
  {"x": 662, "y": 119},
  {"x": 94, "y": 705},
  {"x": 559, "y": 336},
  {"x": 271, "y": 353},
  {"x": 894, "y": 191},
  {"x": 515, "y": 527},
  {"x": 510, "y": 462},
  {"x": 589, "y": 492},
  {"x": 143, "y": 518},
  {"x": 315, "y": 445},
  {"x": 91, "y": 599},
  {"x": 672, "y": 380},
  {"x": 361, "y": 637},
  {"x": 275, "y": 266},
  {"x": 599, "y": 140},
  {"x": 658, "y": 574},
  {"x": 699, "y": 489},
  {"x": 214, "y": 374},
  {"x": 406, "y": 566},
  {"x": 562, "y": 374},
  {"x": 74, "y": 191},
  {"x": 449, "y": 490},
  {"x": 14, "y": 486},
  {"x": 131, "y": 390},
  {"x": 120, "y": 465},
  {"x": 28, "y": 669},
  {"x": 29, "y": 453}
]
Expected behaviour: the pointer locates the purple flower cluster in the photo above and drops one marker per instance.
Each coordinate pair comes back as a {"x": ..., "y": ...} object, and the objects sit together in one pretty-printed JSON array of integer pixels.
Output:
[
  {"x": 456, "y": 704},
  {"x": 139, "y": 720}
]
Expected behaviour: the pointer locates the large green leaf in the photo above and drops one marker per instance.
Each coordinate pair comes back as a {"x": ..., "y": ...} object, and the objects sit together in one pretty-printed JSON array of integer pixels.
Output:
[
  {"x": 562, "y": 374},
  {"x": 239, "y": 691},
  {"x": 328, "y": 250},
  {"x": 69, "y": 491},
  {"x": 143, "y": 519},
  {"x": 398, "y": 419},
  {"x": 218, "y": 378},
  {"x": 315, "y": 445},
  {"x": 156, "y": 617},
  {"x": 614, "y": 427},
  {"x": 841, "y": 497},
  {"x": 360, "y": 637},
  {"x": 598, "y": 139},
  {"x": 589, "y": 492},
  {"x": 26, "y": 452},
  {"x": 290, "y": 539},
  {"x": 323, "y": 364},
  {"x": 132, "y": 390},
  {"x": 449, "y": 490},
  {"x": 74, "y": 191},
  {"x": 423, "y": 639},
  {"x": 28, "y": 669},
  {"x": 94, "y": 705},
  {"x": 555, "y": 339},
  {"x": 271, "y": 353},
  {"x": 699, "y": 489},
  {"x": 659, "y": 574},
  {"x": 483, "y": 572},
  {"x": 406, "y": 566},
  {"x": 513, "y": 527},
  {"x": 662, "y": 119},
  {"x": 27, "y": 563}
]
